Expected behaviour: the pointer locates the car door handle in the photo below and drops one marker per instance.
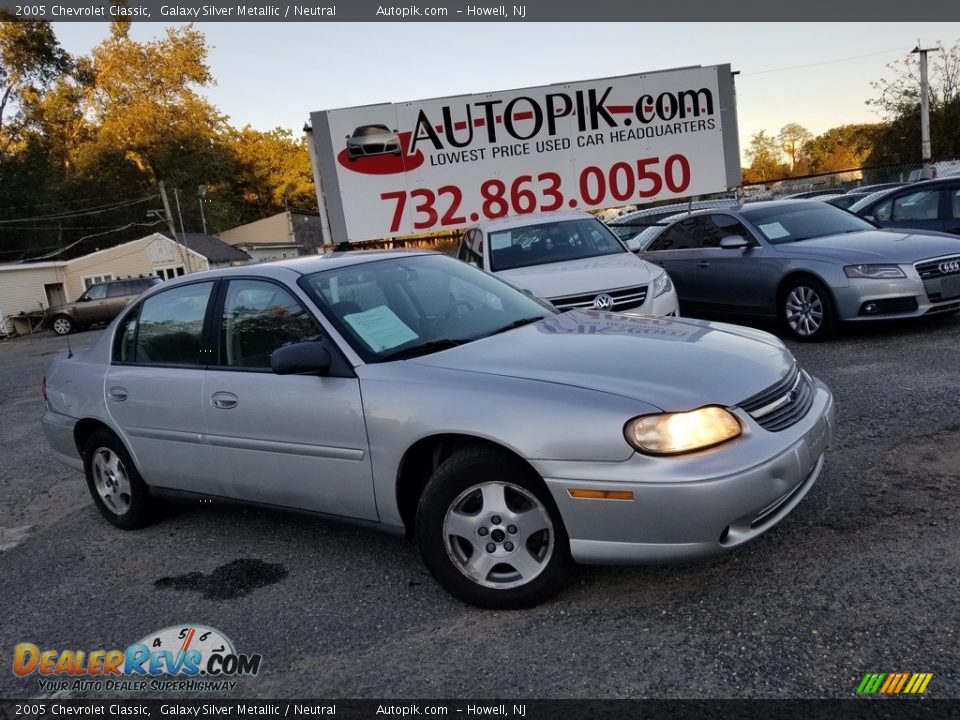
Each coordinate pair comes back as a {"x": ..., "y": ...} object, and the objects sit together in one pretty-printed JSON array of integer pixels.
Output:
[
  {"x": 224, "y": 400},
  {"x": 117, "y": 393},
  {"x": 703, "y": 264}
]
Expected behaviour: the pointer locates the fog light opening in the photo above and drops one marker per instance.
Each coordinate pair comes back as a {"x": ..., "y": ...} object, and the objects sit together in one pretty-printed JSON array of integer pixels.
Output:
[{"x": 870, "y": 308}]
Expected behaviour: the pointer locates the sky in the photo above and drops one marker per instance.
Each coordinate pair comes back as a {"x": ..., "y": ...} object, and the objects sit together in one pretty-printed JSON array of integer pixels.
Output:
[{"x": 275, "y": 74}]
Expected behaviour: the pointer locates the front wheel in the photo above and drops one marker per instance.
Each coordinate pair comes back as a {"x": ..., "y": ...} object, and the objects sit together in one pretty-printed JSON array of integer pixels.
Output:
[
  {"x": 490, "y": 533},
  {"x": 806, "y": 309},
  {"x": 63, "y": 325},
  {"x": 114, "y": 482}
]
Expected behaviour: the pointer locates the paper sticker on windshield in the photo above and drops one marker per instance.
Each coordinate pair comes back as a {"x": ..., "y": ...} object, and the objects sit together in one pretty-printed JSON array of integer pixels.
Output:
[
  {"x": 774, "y": 230},
  {"x": 500, "y": 240},
  {"x": 380, "y": 328}
]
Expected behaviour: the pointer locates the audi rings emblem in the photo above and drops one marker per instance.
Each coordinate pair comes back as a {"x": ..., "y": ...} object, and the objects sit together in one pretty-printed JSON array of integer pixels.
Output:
[
  {"x": 950, "y": 266},
  {"x": 603, "y": 302}
]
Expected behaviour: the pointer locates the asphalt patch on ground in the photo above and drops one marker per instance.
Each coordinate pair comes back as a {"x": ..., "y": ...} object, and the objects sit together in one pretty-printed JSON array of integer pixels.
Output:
[{"x": 227, "y": 582}]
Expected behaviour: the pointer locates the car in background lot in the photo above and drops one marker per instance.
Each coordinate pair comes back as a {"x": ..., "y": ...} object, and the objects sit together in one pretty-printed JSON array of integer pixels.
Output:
[
  {"x": 101, "y": 302},
  {"x": 630, "y": 225},
  {"x": 419, "y": 395},
  {"x": 807, "y": 263},
  {"x": 845, "y": 201},
  {"x": 572, "y": 260},
  {"x": 930, "y": 205}
]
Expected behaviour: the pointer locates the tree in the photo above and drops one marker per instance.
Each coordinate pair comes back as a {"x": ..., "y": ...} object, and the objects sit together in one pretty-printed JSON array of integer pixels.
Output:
[
  {"x": 839, "y": 148},
  {"x": 898, "y": 102},
  {"x": 274, "y": 172},
  {"x": 764, "y": 156},
  {"x": 792, "y": 138}
]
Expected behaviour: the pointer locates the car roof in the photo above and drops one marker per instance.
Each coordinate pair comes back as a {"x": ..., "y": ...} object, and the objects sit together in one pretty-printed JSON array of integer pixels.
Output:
[
  {"x": 304, "y": 265},
  {"x": 674, "y": 208},
  {"x": 517, "y": 221}
]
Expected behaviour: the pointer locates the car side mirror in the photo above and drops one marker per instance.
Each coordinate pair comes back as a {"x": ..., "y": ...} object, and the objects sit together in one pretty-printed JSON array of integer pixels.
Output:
[
  {"x": 305, "y": 358},
  {"x": 83, "y": 298},
  {"x": 734, "y": 242},
  {"x": 347, "y": 137}
]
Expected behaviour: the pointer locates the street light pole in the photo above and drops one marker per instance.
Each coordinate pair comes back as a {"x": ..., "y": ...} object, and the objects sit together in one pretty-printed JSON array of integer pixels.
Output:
[{"x": 925, "y": 153}]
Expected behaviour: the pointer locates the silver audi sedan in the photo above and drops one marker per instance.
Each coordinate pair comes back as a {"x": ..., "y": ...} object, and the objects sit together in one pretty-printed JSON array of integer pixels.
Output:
[
  {"x": 414, "y": 393},
  {"x": 808, "y": 263}
]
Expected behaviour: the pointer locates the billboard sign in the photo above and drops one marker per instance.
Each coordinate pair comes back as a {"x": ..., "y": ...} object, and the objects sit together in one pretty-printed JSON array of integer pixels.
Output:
[{"x": 439, "y": 164}]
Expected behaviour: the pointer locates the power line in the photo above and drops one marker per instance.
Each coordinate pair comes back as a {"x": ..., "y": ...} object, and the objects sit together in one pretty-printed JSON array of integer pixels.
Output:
[
  {"x": 96, "y": 210},
  {"x": 118, "y": 198},
  {"x": 87, "y": 237},
  {"x": 825, "y": 62}
]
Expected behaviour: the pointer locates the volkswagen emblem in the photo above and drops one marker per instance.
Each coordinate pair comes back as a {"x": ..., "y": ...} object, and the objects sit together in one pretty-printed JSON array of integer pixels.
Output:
[
  {"x": 949, "y": 266},
  {"x": 603, "y": 302}
]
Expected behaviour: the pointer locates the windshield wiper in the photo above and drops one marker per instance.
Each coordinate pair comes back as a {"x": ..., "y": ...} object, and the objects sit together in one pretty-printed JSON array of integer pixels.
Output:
[
  {"x": 515, "y": 324},
  {"x": 423, "y": 349}
]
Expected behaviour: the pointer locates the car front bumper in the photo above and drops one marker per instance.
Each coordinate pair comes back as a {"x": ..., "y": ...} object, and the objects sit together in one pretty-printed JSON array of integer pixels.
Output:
[
  {"x": 899, "y": 298},
  {"x": 693, "y": 506}
]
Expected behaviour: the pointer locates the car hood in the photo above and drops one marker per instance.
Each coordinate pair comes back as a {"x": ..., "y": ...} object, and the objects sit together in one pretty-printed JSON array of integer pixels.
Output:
[
  {"x": 672, "y": 364},
  {"x": 580, "y": 277},
  {"x": 877, "y": 246}
]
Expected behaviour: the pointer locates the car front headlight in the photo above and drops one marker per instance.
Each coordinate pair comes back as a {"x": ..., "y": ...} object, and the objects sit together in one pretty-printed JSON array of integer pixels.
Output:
[
  {"x": 662, "y": 284},
  {"x": 674, "y": 433},
  {"x": 874, "y": 272}
]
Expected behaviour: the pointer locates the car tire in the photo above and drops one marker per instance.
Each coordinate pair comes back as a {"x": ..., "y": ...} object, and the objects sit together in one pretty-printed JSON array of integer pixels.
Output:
[
  {"x": 511, "y": 550},
  {"x": 806, "y": 310},
  {"x": 62, "y": 325},
  {"x": 115, "y": 484}
]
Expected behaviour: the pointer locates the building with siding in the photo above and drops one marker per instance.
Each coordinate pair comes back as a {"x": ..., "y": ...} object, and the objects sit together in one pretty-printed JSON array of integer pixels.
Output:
[
  {"x": 30, "y": 288},
  {"x": 285, "y": 235}
]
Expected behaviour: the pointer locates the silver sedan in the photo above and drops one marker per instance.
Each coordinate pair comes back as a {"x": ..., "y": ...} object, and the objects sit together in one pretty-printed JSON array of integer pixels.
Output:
[
  {"x": 419, "y": 395},
  {"x": 807, "y": 263}
]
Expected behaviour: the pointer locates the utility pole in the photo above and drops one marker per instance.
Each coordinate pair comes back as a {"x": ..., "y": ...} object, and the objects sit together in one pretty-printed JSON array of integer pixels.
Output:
[
  {"x": 202, "y": 193},
  {"x": 166, "y": 211},
  {"x": 183, "y": 233},
  {"x": 927, "y": 171}
]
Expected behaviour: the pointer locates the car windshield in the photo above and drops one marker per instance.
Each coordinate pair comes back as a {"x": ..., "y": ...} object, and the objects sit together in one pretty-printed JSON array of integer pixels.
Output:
[
  {"x": 370, "y": 130},
  {"x": 863, "y": 202},
  {"x": 802, "y": 221},
  {"x": 405, "y": 306},
  {"x": 551, "y": 242}
]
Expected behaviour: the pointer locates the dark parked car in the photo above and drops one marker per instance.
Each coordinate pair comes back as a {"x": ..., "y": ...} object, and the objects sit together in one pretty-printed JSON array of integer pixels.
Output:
[
  {"x": 929, "y": 205},
  {"x": 808, "y": 263},
  {"x": 101, "y": 302}
]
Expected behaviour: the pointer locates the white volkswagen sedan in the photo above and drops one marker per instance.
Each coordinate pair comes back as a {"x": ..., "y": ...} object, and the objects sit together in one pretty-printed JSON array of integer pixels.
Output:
[{"x": 571, "y": 260}]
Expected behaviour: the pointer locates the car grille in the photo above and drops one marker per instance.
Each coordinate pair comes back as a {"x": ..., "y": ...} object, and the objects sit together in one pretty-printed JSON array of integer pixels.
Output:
[
  {"x": 940, "y": 278},
  {"x": 930, "y": 269},
  {"x": 781, "y": 405},
  {"x": 623, "y": 299}
]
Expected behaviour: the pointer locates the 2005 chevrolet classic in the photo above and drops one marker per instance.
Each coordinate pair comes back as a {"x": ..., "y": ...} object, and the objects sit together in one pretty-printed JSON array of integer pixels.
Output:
[{"x": 413, "y": 392}]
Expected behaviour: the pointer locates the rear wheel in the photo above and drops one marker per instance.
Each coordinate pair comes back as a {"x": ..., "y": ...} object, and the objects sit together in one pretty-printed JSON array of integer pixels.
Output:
[
  {"x": 62, "y": 325},
  {"x": 117, "y": 488},
  {"x": 806, "y": 309},
  {"x": 490, "y": 533}
]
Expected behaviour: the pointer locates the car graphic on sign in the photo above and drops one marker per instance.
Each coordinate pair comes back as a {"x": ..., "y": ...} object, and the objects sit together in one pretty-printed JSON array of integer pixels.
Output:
[{"x": 372, "y": 140}]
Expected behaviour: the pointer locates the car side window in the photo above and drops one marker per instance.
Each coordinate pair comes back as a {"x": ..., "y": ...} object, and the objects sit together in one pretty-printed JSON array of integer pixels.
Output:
[
  {"x": 95, "y": 292},
  {"x": 682, "y": 235},
  {"x": 117, "y": 289},
  {"x": 165, "y": 329},
  {"x": 720, "y": 225},
  {"x": 469, "y": 246},
  {"x": 920, "y": 205},
  {"x": 258, "y": 318},
  {"x": 955, "y": 203}
]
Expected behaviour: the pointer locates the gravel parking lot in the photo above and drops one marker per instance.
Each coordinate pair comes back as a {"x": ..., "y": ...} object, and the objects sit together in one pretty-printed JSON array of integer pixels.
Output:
[{"x": 862, "y": 577}]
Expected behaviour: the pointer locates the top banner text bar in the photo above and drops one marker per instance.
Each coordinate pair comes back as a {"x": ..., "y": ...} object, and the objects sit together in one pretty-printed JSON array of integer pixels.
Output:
[{"x": 179, "y": 11}]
